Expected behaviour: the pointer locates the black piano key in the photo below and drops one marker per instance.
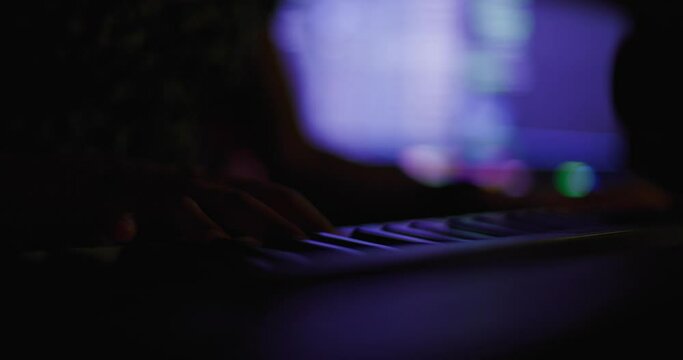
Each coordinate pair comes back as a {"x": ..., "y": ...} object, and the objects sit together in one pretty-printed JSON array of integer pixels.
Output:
[
  {"x": 469, "y": 224},
  {"x": 503, "y": 220},
  {"x": 303, "y": 247},
  {"x": 440, "y": 227},
  {"x": 555, "y": 220},
  {"x": 346, "y": 242},
  {"x": 422, "y": 234},
  {"x": 381, "y": 237},
  {"x": 334, "y": 248}
]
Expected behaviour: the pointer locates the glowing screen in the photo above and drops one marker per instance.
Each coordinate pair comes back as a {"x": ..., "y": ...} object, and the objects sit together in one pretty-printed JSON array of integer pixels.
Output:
[{"x": 456, "y": 90}]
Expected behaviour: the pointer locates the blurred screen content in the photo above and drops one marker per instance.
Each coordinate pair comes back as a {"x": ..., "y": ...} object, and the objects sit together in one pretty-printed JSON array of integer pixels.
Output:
[{"x": 482, "y": 91}]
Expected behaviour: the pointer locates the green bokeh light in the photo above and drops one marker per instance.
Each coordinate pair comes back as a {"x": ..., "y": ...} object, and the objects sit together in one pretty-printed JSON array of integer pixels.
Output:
[{"x": 575, "y": 179}]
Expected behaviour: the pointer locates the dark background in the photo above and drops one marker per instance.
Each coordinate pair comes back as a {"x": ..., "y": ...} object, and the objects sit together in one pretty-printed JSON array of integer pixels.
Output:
[{"x": 198, "y": 84}]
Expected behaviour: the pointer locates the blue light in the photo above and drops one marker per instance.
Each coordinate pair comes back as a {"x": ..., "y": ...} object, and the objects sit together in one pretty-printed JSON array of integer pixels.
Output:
[{"x": 479, "y": 78}]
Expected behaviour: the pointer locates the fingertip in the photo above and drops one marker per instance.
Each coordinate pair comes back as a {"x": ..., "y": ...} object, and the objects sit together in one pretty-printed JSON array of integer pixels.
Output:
[
  {"x": 326, "y": 225},
  {"x": 279, "y": 236},
  {"x": 288, "y": 237},
  {"x": 214, "y": 235}
]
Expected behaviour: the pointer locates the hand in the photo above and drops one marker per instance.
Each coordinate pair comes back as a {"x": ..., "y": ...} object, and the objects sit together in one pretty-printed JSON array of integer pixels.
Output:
[
  {"x": 253, "y": 212},
  {"x": 56, "y": 203}
]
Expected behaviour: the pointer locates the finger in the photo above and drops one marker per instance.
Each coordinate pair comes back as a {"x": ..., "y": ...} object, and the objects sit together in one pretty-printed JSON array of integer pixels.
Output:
[
  {"x": 289, "y": 204},
  {"x": 194, "y": 225},
  {"x": 241, "y": 214}
]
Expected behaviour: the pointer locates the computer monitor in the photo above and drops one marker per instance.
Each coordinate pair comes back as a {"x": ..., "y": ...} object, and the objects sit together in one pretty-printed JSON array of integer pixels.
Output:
[{"x": 490, "y": 92}]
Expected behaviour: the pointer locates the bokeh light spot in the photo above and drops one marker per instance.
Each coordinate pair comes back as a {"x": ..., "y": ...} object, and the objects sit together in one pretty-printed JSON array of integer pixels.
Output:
[
  {"x": 575, "y": 179},
  {"x": 428, "y": 165},
  {"x": 511, "y": 177}
]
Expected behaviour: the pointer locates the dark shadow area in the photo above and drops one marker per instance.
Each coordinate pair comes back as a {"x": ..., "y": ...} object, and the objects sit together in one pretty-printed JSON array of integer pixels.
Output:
[{"x": 151, "y": 148}]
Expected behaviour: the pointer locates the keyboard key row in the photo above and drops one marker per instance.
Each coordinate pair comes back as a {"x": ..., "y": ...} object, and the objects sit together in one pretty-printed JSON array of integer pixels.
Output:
[{"x": 454, "y": 230}]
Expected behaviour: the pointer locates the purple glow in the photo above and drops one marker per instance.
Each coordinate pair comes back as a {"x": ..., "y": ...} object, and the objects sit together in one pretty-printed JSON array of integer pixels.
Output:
[
  {"x": 383, "y": 81},
  {"x": 429, "y": 165},
  {"x": 519, "y": 179},
  {"x": 511, "y": 177},
  {"x": 375, "y": 77}
]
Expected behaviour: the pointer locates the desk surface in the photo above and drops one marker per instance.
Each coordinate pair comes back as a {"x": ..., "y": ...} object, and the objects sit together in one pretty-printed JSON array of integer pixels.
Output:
[{"x": 193, "y": 304}]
